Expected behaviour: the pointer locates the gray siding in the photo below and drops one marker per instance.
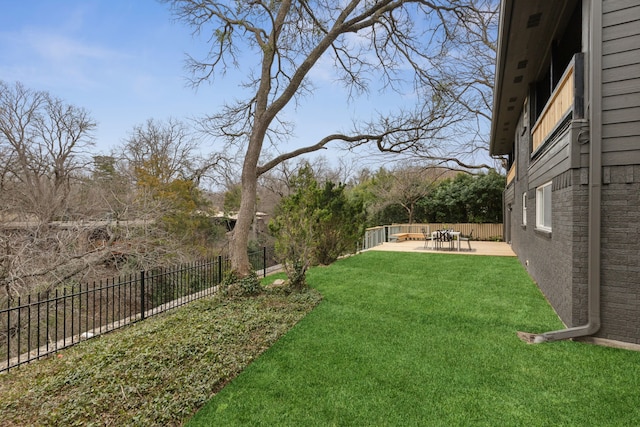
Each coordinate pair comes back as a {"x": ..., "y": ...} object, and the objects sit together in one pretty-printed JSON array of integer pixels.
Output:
[
  {"x": 552, "y": 162},
  {"x": 621, "y": 82}
]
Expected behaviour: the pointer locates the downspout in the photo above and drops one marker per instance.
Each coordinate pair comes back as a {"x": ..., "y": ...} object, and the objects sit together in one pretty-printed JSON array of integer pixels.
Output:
[{"x": 595, "y": 190}]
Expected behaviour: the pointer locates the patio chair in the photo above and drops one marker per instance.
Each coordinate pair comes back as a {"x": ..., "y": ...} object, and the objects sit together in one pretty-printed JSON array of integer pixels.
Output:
[
  {"x": 427, "y": 237},
  {"x": 437, "y": 243},
  {"x": 467, "y": 238},
  {"x": 443, "y": 236},
  {"x": 448, "y": 237}
]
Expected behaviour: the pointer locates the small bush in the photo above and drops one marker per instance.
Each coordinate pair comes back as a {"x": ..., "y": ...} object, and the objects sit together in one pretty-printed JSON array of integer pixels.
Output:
[
  {"x": 234, "y": 286},
  {"x": 250, "y": 285},
  {"x": 315, "y": 225}
]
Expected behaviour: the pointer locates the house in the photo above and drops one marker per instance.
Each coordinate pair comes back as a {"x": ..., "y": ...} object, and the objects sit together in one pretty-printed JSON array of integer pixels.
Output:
[{"x": 566, "y": 117}]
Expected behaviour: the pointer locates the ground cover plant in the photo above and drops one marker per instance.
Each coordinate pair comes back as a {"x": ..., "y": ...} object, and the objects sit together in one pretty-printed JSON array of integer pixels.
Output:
[
  {"x": 155, "y": 372},
  {"x": 428, "y": 339}
]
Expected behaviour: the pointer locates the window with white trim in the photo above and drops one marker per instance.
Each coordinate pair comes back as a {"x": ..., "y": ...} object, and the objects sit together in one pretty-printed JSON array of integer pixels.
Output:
[
  {"x": 543, "y": 207},
  {"x": 524, "y": 208}
]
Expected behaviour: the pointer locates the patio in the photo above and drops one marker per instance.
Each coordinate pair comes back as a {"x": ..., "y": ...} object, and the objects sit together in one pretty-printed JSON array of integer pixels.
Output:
[{"x": 477, "y": 248}]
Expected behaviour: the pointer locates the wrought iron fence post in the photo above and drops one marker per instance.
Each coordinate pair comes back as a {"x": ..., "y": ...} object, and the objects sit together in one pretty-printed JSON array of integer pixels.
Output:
[
  {"x": 142, "y": 295},
  {"x": 264, "y": 261},
  {"x": 219, "y": 269}
]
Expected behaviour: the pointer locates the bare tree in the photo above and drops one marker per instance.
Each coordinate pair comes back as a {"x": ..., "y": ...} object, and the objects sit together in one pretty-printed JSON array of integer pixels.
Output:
[
  {"x": 42, "y": 141},
  {"x": 45, "y": 175},
  {"x": 396, "y": 42},
  {"x": 108, "y": 191},
  {"x": 406, "y": 185},
  {"x": 468, "y": 70},
  {"x": 166, "y": 167},
  {"x": 168, "y": 150}
]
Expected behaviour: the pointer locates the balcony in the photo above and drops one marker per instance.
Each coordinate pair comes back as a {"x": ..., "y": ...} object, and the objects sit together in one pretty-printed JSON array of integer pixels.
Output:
[{"x": 566, "y": 102}]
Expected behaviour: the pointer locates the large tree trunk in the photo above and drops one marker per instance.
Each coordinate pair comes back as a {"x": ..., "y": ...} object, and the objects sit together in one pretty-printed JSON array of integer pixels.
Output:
[
  {"x": 263, "y": 115},
  {"x": 240, "y": 240}
]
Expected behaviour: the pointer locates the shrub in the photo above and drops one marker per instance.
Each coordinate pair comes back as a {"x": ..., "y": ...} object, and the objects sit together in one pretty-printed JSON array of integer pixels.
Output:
[
  {"x": 234, "y": 286},
  {"x": 315, "y": 225}
]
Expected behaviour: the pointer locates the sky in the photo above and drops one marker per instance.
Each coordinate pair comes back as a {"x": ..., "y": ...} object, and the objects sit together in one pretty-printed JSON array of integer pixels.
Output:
[
  {"x": 121, "y": 60},
  {"x": 124, "y": 61}
]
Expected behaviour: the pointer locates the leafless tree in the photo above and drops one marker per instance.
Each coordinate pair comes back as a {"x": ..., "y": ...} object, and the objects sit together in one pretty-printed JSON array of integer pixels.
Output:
[
  {"x": 400, "y": 43},
  {"x": 45, "y": 175},
  {"x": 42, "y": 145},
  {"x": 406, "y": 185},
  {"x": 107, "y": 192},
  {"x": 168, "y": 150},
  {"x": 163, "y": 162},
  {"x": 468, "y": 68}
]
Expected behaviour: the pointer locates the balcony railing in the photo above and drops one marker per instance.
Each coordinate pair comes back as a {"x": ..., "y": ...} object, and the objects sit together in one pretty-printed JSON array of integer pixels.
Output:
[{"x": 567, "y": 98}]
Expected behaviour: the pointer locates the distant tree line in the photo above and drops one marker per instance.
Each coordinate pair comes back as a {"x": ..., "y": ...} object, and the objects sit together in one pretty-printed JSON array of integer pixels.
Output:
[{"x": 428, "y": 194}]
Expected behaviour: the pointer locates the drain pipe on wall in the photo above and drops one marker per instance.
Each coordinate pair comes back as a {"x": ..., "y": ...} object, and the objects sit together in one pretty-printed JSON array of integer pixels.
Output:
[{"x": 595, "y": 190}]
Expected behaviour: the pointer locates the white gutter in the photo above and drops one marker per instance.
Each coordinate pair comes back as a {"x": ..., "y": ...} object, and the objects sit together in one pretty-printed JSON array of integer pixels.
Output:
[{"x": 595, "y": 179}]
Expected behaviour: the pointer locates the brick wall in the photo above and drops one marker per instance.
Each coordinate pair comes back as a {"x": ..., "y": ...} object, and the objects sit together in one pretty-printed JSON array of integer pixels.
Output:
[
  {"x": 620, "y": 275},
  {"x": 549, "y": 258}
]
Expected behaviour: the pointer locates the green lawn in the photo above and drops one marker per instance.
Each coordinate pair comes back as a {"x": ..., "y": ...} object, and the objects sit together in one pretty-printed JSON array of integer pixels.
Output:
[{"x": 428, "y": 339}]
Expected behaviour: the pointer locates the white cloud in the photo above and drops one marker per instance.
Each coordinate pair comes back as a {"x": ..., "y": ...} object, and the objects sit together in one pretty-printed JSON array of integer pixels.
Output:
[
  {"x": 59, "y": 48},
  {"x": 54, "y": 59}
]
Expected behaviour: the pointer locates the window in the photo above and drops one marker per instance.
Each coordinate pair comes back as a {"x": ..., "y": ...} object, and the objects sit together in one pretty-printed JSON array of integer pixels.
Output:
[
  {"x": 524, "y": 208},
  {"x": 543, "y": 207}
]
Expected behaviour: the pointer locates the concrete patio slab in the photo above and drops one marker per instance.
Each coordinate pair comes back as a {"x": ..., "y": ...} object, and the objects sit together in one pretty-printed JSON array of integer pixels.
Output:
[{"x": 477, "y": 248}]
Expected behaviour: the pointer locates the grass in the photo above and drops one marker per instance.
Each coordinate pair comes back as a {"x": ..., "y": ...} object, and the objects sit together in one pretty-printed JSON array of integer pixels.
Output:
[
  {"x": 399, "y": 340},
  {"x": 429, "y": 339}
]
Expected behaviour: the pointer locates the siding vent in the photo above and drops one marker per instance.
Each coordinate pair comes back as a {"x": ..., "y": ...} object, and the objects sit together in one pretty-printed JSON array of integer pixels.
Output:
[
  {"x": 534, "y": 20},
  {"x": 513, "y": 99},
  {"x": 511, "y": 108},
  {"x": 517, "y": 79},
  {"x": 522, "y": 64}
]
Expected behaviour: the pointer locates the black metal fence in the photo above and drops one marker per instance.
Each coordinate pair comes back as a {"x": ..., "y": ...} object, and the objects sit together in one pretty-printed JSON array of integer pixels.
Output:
[{"x": 38, "y": 325}]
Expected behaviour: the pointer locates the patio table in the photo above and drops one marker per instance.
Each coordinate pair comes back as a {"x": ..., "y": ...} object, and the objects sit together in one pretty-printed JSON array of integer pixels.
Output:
[{"x": 434, "y": 235}]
